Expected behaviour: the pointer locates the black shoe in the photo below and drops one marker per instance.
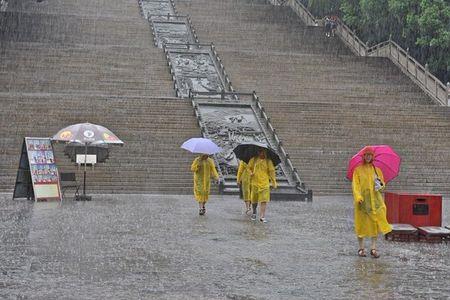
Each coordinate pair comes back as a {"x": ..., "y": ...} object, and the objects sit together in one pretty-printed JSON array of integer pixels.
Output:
[{"x": 202, "y": 211}]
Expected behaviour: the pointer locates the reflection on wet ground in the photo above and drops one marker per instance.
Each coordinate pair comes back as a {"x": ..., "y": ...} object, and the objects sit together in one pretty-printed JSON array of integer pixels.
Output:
[{"x": 157, "y": 247}]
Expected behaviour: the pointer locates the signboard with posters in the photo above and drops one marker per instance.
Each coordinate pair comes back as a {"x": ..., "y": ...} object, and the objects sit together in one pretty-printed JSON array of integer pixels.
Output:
[{"x": 37, "y": 156}]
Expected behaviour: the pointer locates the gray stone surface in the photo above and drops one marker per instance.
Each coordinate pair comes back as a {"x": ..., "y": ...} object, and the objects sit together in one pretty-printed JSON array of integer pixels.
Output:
[
  {"x": 195, "y": 71},
  {"x": 172, "y": 32},
  {"x": 156, "y": 8},
  {"x": 3, "y": 5},
  {"x": 157, "y": 247}
]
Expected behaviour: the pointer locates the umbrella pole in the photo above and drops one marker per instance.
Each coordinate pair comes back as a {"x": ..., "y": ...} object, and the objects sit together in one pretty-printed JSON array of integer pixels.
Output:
[{"x": 84, "y": 177}]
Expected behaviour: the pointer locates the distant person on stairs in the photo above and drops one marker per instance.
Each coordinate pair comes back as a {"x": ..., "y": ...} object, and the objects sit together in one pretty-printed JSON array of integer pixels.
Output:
[
  {"x": 262, "y": 175},
  {"x": 370, "y": 210},
  {"x": 333, "y": 25},
  {"x": 330, "y": 25},
  {"x": 243, "y": 181},
  {"x": 203, "y": 168},
  {"x": 327, "y": 22}
]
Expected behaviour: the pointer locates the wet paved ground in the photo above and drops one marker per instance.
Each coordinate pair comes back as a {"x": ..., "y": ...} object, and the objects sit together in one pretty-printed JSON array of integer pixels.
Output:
[{"x": 157, "y": 247}]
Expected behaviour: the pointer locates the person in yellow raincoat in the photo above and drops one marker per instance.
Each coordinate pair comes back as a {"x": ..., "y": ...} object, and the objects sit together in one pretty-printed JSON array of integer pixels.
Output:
[
  {"x": 243, "y": 181},
  {"x": 203, "y": 168},
  {"x": 262, "y": 174},
  {"x": 370, "y": 210}
]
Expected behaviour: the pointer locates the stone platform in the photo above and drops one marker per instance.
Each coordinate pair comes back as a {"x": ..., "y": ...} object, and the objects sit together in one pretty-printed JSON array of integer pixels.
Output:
[{"x": 157, "y": 247}]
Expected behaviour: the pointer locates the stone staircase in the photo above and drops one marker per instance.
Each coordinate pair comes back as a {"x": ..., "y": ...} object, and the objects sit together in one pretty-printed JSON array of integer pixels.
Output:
[
  {"x": 70, "y": 54},
  {"x": 325, "y": 102},
  {"x": 150, "y": 160},
  {"x": 197, "y": 70},
  {"x": 69, "y": 61},
  {"x": 322, "y": 137},
  {"x": 116, "y": 9},
  {"x": 74, "y": 61},
  {"x": 281, "y": 58}
]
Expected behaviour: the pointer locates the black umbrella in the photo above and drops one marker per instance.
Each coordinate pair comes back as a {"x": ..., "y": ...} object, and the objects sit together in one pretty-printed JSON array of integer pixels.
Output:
[{"x": 246, "y": 151}]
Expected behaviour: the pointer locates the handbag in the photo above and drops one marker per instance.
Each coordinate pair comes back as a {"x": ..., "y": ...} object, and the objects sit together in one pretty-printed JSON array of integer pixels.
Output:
[{"x": 377, "y": 182}]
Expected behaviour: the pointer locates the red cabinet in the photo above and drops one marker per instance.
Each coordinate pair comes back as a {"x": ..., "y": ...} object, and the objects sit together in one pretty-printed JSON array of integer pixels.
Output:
[{"x": 415, "y": 209}]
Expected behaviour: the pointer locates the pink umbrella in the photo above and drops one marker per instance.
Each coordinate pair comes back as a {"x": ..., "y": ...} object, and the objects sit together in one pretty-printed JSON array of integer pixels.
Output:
[{"x": 384, "y": 158}]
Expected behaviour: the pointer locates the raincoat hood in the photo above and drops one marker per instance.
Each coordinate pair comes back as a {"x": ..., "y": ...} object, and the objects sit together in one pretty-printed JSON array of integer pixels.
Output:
[
  {"x": 367, "y": 150},
  {"x": 262, "y": 151}
]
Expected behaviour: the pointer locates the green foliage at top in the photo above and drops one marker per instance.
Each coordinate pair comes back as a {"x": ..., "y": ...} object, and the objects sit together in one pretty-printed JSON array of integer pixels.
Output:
[
  {"x": 323, "y": 7},
  {"x": 422, "y": 26}
]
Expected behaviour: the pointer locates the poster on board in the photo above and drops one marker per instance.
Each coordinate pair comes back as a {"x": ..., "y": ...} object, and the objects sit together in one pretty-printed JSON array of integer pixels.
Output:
[{"x": 42, "y": 170}]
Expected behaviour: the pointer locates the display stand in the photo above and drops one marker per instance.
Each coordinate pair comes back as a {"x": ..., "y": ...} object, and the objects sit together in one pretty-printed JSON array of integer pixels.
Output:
[
  {"x": 37, "y": 176},
  {"x": 24, "y": 186}
]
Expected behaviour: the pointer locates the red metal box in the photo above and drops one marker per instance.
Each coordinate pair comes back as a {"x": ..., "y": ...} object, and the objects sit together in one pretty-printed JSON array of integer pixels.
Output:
[{"x": 415, "y": 209}]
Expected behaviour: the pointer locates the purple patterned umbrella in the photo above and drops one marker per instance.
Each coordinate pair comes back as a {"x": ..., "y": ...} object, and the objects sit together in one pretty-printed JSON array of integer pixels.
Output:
[
  {"x": 201, "y": 146},
  {"x": 86, "y": 134}
]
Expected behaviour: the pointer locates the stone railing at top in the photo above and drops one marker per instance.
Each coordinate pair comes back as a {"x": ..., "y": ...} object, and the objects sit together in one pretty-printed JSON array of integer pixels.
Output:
[
  {"x": 411, "y": 67},
  {"x": 419, "y": 74}
]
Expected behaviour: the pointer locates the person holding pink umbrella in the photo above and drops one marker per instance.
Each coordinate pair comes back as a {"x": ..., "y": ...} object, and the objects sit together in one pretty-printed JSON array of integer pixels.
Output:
[{"x": 366, "y": 170}]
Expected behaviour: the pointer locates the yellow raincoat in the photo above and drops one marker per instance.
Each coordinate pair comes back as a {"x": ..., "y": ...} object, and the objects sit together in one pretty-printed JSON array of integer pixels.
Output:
[
  {"x": 370, "y": 210},
  {"x": 262, "y": 173},
  {"x": 243, "y": 177},
  {"x": 203, "y": 170}
]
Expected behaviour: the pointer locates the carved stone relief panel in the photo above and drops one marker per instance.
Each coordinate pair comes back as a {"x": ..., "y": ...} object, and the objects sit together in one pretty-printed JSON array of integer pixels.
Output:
[
  {"x": 195, "y": 71},
  {"x": 229, "y": 126},
  {"x": 156, "y": 8},
  {"x": 3, "y": 5},
  {"x": 171, "y": 32}
]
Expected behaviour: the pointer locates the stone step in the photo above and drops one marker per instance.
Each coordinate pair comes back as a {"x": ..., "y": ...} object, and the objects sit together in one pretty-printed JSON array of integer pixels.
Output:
[
  {"x": 70, "y": 69},
  {"x": 153, "y": 163},
  {"x": 320, "y": 154},
  {"x": 71, "y": 29},
  {"x": 119, "y": 9}
]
